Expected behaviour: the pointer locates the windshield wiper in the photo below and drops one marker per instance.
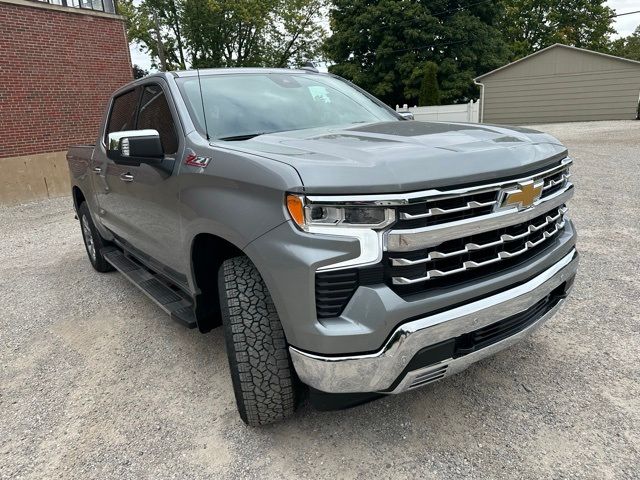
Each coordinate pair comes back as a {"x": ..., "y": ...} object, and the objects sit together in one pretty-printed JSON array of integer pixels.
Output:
[{"x": 246, "y": 136}]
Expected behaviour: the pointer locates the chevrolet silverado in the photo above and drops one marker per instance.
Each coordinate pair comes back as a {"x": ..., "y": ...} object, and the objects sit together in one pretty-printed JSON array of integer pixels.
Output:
[{"x": 345, "y": 250}]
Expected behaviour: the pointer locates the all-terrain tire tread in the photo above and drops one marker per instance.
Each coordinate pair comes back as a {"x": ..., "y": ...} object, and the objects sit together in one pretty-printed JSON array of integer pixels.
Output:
[{"x": 256, "y": 346}]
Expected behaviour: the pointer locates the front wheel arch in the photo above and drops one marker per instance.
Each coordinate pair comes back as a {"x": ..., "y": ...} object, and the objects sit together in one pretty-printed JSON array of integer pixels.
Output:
[{"x": 208, "y": 252}]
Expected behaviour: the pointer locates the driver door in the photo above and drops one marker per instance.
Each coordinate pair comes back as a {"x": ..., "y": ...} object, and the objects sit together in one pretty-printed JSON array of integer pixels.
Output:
[{"x": 139, "y": 203}]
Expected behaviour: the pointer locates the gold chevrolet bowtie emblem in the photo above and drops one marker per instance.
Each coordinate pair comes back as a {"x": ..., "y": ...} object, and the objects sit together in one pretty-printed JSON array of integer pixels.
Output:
[{"x": 523, "y": 196}]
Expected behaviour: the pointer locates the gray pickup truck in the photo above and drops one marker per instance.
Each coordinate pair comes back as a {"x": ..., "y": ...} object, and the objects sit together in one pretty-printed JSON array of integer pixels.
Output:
[{"x": 347, "y": 251}]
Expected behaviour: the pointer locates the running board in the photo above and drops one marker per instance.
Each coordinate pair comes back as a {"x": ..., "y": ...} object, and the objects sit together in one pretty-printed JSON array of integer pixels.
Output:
[{"x": 179, "y": 307}]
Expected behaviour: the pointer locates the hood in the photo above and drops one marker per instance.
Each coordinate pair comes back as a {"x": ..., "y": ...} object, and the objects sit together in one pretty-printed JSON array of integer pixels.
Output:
[{"x": 404, "y": 156}]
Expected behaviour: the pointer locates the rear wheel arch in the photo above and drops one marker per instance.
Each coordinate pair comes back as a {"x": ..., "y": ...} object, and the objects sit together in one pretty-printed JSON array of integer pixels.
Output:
[
  {"x": 78, "y": 197},
  {"x": 93, "y": 241}
]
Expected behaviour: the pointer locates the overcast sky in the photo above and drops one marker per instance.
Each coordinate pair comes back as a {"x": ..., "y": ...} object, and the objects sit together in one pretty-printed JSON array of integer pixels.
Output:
[{"x": 624, "y": 26}]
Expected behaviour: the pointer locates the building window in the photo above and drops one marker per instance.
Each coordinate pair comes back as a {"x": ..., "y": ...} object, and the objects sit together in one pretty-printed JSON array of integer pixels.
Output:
[{"x": 107, "y": 6}]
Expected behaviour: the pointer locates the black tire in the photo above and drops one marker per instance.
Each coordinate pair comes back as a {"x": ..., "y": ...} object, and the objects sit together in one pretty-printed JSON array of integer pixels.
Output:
[
  {"x": 261, "y": 370},
  {"x": 91, "y": 236}
]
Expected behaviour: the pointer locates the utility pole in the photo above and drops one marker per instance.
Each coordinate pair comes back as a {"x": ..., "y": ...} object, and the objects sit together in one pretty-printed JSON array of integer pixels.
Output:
[{"x": 163, "y": 61}]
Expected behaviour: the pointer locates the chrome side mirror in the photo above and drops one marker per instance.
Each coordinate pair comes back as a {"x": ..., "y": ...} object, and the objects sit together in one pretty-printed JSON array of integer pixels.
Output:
[
  {"x": 406, "y": 115},
  {"x": 135, "y": 146}
]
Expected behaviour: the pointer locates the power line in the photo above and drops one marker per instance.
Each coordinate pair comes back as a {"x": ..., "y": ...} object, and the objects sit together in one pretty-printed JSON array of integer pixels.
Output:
[
  {"x": 623, "y": 14},
  {"x": 458, "y": 9},
  {"x": 422, "y": 47},
  {"x": 451, "y": 10}
]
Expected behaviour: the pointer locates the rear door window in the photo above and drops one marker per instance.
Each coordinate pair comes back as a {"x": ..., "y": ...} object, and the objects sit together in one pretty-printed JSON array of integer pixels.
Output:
[{"x": 155, "y": 114}]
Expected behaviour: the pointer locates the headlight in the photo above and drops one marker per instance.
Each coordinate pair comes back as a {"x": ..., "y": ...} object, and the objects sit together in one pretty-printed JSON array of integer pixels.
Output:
[
  {"x": 307, "y": 215},
  {"x": 364, "y": 222}
]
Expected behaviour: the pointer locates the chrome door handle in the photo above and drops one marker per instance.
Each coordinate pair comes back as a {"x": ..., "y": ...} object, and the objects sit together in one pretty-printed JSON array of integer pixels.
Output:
[
  {"x": 126, "y": 177},
  {"x": 97, "y": 170}
]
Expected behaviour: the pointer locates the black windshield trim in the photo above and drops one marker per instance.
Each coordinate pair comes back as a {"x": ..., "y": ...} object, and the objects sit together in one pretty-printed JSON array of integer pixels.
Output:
[{"x": 246, "y": 136}]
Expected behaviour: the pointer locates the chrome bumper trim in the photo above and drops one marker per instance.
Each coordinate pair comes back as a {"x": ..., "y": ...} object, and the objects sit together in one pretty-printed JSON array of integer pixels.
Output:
[
  {"x": 446, "y": 368},
  {"x": 419, "y": 238},
  {"x": 377, "y": 371}
]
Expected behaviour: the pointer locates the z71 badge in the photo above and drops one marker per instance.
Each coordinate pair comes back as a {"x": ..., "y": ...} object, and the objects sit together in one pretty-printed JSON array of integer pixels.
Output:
[{"x": 194, "y": 160}]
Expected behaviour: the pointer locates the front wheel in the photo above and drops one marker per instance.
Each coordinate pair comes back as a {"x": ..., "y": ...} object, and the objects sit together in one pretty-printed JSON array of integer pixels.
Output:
[{"x": 261, "y": 370}]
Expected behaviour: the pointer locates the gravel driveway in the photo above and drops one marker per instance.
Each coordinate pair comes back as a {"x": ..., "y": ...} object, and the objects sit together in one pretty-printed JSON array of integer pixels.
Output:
[{"x": 97, "y": 382}]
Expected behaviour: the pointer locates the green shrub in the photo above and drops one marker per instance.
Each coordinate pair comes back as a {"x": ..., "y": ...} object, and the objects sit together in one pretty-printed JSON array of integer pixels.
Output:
[{"x": 429, "y": 90}]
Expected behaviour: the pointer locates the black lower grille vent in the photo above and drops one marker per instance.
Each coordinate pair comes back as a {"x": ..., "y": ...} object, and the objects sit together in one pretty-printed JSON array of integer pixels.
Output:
[{"x": 334, "y": 289}]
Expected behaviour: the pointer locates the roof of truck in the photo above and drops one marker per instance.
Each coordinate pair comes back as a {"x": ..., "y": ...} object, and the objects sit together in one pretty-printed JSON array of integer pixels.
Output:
[
  {"x": 227, "y": 71},
  {"x": 214, "y": 71}
]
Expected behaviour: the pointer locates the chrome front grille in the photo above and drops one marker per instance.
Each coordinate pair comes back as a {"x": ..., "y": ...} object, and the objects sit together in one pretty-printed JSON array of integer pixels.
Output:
[
  {"x": 408, "y": 236},
  {"x": 451, "y": 237},
  {"x": 434, "y": 211},
  {"x": 446, "y": 210},
  {"x": 443, "y": 207},
  {"x": 476, "y": 251},
  {"x": 558, "y": 180},
  {"x": 555, "y": 218}
]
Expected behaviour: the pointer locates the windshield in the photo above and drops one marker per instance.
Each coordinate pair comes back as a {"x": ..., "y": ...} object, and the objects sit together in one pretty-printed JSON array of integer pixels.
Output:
[{"x": 246, "y": 105}]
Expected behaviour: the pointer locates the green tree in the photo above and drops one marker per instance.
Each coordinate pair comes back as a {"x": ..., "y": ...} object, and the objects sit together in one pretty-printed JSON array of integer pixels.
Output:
[
  {"x": 226, "y": 33},
  {"x": 139, "y": 72},
  {"x": 530, "y": 25},
  {"x": 627, "y": 47},
  {"x": 429, "y": 90},
  {"x": 153, "y": 19},
  {"x": 382, "y": 46},
  {"x": 296, "y": 33}
]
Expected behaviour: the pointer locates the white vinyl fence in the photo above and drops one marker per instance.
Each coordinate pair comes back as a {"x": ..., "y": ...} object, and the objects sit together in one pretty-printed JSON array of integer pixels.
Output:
[{"x": 462, "y": 112}]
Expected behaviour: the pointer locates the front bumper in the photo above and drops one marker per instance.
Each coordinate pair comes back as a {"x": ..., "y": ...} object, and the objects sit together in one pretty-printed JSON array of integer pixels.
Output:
[{"x": 393, "y": 368}]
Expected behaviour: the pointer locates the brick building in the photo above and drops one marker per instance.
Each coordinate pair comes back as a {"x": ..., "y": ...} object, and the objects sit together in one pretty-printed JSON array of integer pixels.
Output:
[{"x": 58, "y": 67}]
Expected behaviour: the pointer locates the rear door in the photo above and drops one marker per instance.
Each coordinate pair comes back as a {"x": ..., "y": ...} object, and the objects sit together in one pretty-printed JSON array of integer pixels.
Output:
[{"x": 141, "y": 202}]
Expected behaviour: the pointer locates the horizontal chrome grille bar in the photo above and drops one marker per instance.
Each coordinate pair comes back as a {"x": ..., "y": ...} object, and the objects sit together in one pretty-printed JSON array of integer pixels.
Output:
[
  {"x": 435, "y": 255},
  {"x": 420, "y": 238},
  {"x": 443, "y": 211},
  {"x": 553, "y": 183},
  {"x": 470, "y": 264}
]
